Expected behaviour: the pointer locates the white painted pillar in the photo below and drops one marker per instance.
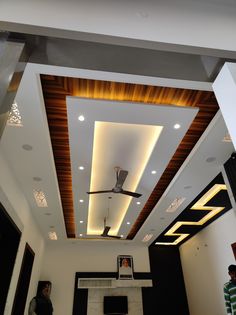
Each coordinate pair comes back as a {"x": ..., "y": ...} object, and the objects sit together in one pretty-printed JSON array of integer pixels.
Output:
[
  {"x": 12, "y": 64},
  {"x": 224, "y": 88}
]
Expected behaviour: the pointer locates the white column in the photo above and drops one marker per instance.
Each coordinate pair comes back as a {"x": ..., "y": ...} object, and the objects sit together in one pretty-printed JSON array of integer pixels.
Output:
[
  {"x": 12, "y": 65},
  {"x": 224, "y": 88}
]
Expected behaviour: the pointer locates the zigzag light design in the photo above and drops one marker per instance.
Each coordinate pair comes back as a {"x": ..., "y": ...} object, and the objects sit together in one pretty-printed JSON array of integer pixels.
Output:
[{"x": 199, "y": 205}]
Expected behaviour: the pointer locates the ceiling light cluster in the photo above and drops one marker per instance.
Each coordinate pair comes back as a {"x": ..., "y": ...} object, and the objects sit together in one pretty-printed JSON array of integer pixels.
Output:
[
  {"x": 147, "y": 237},
  {"x": 14, "y": 118},
  {"x": 175, "y": 204},
  {"x": 52, "y": 235},
  {"x": 40, "y": 198}
]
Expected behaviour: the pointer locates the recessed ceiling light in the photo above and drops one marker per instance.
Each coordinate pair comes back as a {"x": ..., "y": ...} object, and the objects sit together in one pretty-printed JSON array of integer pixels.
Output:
[
  {"x": 52, "y": 236},
  {"x": 128, "y": 223},
  {"x": 122, "y": 235},
  {"x": 27, "y": 147},
  {"x": 81, "y": 118},
  {"x": 37, "y": 179},
  {"x": 81, "y": 221},
  {"x": 138, "y": 202},
  {"x": 81, "y": 168},
  {"x": 143, "y": 14},
  {"x": 81, "y": 200},
  {"x": 153, "y": 172},
  {"x": 210, "y": 159},
  {"x": 187, "y": 187},
  {"x": 177, "y": 126},
  {"x": 81, "y": 235}
]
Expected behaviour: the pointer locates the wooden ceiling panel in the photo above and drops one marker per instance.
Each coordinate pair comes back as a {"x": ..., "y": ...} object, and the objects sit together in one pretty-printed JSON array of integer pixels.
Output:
[{"x": 55, "y": 90}]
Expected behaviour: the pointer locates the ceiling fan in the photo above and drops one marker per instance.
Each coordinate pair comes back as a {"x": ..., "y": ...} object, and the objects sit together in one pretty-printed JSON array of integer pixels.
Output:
[
  {"x": 120, "y": 179},
  {"x": 106, "y": 230}
]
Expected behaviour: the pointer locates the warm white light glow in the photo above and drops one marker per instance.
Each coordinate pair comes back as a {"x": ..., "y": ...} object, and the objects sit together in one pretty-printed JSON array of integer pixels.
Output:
[
  {"x": 128, "y": 223},
  {"x": 81, "y": 118},
  {"x": 227, "y": 138},
  {"x": 122, "y": 235},
  {"x": 81, "y": 235},
  {"x": 177, "y": 126},
  {"x": 154, "y": 172},
  {"x": 81, "y": 201},
  {"x": 199, "y": 205},
  {"x": 138, "y": 202},
  {"x": 81, "y": 221},
  {"x": 139, "y": 141},
  {"x": 40, "y": 198},
  {"x": 81, "y": 168},
  {"x": 52, "y": 236},
  {"x": 14, "y": 118}
]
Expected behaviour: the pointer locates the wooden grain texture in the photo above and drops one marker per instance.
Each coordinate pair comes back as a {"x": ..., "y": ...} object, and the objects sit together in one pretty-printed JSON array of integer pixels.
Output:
[{"x": 55, "y": 90}]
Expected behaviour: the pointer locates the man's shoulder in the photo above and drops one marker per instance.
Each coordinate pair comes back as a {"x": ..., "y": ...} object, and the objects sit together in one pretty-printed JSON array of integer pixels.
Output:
[{"x": 229, "y": 284}]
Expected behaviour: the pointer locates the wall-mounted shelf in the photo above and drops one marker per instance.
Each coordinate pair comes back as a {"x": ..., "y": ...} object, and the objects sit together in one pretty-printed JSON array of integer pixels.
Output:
[{"x": 101, "y": 283}]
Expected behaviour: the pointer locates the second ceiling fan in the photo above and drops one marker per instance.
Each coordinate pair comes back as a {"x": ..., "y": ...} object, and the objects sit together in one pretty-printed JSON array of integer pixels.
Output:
[{"x": 117, "y": 189}]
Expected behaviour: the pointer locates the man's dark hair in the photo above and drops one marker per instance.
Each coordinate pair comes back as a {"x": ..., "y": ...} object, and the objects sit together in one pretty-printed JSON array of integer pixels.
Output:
[{"x": 232, "y": 268}]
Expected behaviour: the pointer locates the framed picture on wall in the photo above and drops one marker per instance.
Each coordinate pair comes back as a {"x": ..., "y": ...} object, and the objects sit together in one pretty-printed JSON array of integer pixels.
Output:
[{"x": 125, "y": 267}]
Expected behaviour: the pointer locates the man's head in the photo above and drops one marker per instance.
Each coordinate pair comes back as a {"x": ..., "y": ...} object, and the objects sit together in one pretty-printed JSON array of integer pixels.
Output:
[
  {"x": 44, "y": 288},
  {"x": 232, "y": 272}
]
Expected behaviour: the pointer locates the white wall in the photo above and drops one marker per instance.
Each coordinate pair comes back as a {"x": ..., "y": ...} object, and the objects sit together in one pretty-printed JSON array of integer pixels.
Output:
[
  {"x": 205, "y": 258},
  {"x": 17, "y": 207},
  {"x": 62, "y": 262}
]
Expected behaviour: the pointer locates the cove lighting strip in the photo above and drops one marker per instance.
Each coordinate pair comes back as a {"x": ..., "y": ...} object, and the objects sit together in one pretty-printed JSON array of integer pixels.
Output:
[{"x": 199, "y": 205}]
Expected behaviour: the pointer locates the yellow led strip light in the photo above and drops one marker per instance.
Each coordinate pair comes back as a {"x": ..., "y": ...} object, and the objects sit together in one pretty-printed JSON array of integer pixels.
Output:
[{"x": 199, "y": 205}]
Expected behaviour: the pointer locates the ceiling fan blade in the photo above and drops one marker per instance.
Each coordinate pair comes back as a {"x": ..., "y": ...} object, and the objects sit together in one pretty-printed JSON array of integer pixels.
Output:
[
  {"x": 105, "y": 231},
  {"x": 121, "y": 178},
  {"x": 99, "y": 192},
  {"x": 114, "y": 236},
  {"x": 130, "y": 193}
]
